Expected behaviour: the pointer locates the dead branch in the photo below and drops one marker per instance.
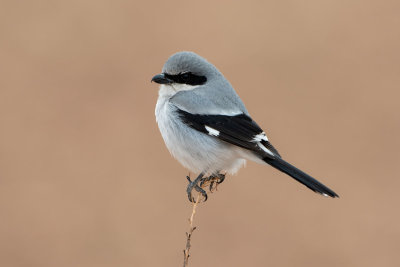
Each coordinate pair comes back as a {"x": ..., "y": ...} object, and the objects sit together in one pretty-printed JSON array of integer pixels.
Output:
[{"x": 186, "y": 252}]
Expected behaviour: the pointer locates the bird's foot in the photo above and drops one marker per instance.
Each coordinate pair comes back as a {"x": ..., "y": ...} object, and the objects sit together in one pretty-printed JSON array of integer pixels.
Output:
[
  {"x": 194, "y": 185},
  {"x": 214, "y": 181}
]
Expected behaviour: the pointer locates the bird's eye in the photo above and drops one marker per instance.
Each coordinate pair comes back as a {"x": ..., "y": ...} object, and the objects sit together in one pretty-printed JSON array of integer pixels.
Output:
[{"x": 185, "y": 76}]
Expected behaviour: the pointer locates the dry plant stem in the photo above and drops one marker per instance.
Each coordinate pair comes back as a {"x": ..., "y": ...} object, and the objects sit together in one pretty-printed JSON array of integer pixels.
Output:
[{"x": 189, "y": 234}]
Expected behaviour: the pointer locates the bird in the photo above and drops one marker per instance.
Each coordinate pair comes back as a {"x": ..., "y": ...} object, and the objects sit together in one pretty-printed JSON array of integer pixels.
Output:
[{"x": 207, "y": 128}]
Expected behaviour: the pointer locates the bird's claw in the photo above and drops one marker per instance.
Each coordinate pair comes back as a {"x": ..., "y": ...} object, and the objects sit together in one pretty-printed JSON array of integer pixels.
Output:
[
  {"x": 193, "y": 185},
  {"x": 214, "y": 179},
  {"x": 221, "y": 178},
  {"x": 200, "y": 181}
]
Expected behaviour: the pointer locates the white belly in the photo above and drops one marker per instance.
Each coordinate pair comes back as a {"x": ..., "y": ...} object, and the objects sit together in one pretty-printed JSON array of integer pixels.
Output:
[{"x": 195, "y": 150}]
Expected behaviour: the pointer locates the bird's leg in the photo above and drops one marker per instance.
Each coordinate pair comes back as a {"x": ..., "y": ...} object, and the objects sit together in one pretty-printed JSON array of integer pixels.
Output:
[{"x": 193, "y": 185}]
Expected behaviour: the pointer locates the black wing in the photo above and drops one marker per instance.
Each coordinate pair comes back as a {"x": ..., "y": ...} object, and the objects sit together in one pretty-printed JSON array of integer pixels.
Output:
[
  {"x": 242, "y": 131},
  {"x": 239, "y": 130}
]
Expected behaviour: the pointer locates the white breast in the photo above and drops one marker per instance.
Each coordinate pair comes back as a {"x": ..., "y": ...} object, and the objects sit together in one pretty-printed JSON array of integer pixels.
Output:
[{"x": 194, "y": 150}]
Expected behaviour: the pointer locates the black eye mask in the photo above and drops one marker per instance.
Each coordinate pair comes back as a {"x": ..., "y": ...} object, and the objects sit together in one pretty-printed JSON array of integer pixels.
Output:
[{"x": 187, "y": 78}]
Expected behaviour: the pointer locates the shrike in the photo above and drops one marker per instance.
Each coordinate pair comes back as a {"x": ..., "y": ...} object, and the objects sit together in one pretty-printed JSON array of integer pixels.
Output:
[{"x": 207, "y": 128}]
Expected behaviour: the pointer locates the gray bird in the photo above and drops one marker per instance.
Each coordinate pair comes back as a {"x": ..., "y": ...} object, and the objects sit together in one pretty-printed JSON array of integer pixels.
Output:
[{"x": 207, "y": 128}]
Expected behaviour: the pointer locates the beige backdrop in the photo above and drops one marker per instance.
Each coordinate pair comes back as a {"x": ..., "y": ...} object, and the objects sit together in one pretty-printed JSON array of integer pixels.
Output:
[{"x": 85, "y": 178}]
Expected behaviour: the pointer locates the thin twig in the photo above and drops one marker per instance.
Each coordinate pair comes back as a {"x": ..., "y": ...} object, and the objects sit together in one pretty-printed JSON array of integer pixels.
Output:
[
  {"x": 210, "y": 183},
  {"x": 189, "y": 234}
]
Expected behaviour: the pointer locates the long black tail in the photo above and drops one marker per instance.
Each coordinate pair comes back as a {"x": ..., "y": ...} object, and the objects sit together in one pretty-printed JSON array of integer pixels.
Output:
[{"x": 300, "y": 176}]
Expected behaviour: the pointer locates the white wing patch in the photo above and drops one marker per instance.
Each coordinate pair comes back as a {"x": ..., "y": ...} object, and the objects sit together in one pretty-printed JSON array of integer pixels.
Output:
[
  {"x": 211, "y": 131},
  {"x": 265, "y": 149},
  {"x": 260, "y": 137}
]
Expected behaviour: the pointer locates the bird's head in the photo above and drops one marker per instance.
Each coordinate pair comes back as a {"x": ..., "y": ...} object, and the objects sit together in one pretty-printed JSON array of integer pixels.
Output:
[{"x": 185, "y": 71}]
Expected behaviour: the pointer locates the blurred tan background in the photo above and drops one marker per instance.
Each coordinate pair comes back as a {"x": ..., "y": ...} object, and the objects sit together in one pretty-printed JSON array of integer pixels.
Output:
[{"x": 85, "y": 178}]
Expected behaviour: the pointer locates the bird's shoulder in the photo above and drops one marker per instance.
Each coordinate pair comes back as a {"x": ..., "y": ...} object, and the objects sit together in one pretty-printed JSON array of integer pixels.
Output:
[{"x": 218, "y": 99}]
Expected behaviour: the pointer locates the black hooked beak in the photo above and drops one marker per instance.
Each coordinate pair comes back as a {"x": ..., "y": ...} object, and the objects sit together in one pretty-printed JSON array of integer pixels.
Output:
[{"x": 161, "y": 79}]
